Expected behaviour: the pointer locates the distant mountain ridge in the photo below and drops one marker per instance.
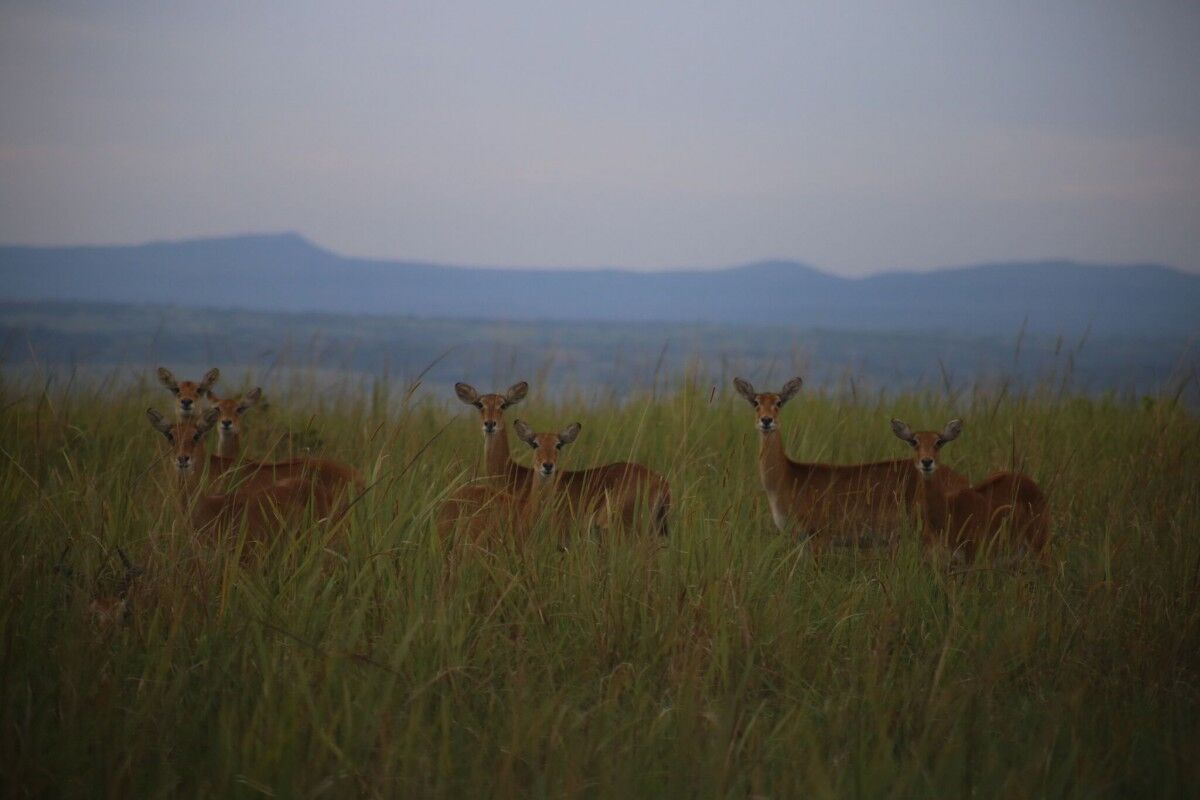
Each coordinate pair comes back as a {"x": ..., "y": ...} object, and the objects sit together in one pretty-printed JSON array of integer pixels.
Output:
[{"x": 286, "y": 272}]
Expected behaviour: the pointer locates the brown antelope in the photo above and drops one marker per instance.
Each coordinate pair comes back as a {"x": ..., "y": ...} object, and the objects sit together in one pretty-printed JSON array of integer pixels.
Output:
[
  {"x": 266, "y": 508},
  {"x": 239, "y": 472},
  {"x": 971, "y": 519},
  {"x": 839, "y": 502},
  {"x": 607, "y": 496},
  {"x": 117, "y": 607},
  {"x": 189, "y": 395},
  {"x": 485, "y": 511},
  {"x": 228, "y": 430}
]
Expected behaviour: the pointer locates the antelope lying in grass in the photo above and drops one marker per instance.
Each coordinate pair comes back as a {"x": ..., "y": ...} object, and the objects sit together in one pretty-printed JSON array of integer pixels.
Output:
[
  {"x": 482, "y": 511},
  {"x": 827, "y": 502},
  {"x": 190, "y": 396},
  {"x": 1007, "y": 511},
  {"x": 607, "y": 496},
  {"x": 240, "y": 472},
  {"x": 266, "y": 507},
  {"x": 116, "y": 607}
]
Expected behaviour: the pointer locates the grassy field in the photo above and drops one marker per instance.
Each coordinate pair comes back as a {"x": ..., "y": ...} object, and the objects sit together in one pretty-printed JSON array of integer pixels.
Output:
[{"x": 720, "y": 662}]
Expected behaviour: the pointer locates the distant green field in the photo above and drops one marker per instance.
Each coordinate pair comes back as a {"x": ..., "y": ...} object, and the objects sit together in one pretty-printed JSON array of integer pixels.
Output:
[
  {"x": 593, "y": 356},
  {"x": 721, "y": 662}
]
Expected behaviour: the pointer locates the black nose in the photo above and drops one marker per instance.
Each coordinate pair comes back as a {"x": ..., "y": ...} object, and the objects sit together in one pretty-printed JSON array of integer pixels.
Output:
[
  {"x": 547, "y": 466},
  {"x": 226, "y": 423},
  {"x": 768, "y": 421},
  {"x": 927, "y": 462},
  {"x": 183, "y": 460},
  {"x": 489, "y": 426},
  {"x": 185, "y": 403}
]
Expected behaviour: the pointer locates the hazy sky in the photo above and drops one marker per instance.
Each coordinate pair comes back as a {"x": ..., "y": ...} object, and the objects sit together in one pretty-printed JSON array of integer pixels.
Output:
[{"x": 853, "y": 136}]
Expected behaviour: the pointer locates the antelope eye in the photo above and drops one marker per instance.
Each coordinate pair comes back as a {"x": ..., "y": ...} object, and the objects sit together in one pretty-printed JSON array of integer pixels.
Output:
[
  {"x": 478, "y": 404},
  {"x": 558, "y": 445}
]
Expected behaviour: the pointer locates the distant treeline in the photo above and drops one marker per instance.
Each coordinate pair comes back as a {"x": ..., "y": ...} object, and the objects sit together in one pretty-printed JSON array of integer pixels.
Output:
[{"x": 616, "y": 357}]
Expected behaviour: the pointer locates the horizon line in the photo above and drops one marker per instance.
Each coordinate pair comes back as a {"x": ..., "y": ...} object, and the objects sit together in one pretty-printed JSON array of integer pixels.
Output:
[{"x": 677, "y": 270}]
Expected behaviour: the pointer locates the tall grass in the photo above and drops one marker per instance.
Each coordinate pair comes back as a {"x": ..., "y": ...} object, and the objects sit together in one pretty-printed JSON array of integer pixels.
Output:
[{"x": 720, "y": 662}]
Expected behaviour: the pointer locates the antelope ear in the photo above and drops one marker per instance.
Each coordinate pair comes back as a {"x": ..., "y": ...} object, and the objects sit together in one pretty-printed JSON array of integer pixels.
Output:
[
  {"x": 525, "y": 433},
  {"x": 951, "y": 431},
  {"x": 569, "y": 435},
  {"x": 249, "y": 399},
  {"x": 790, "y": 389},
  {"x": 207, "y": 421},
  {"x": 745, "y": 390},
  {"x": 210, "y": 377},
  {"x": 167, "y": 378},
  {"x": 516, "y": 393},
  {"x": 466, "y": 392},
  {"x": 902, "y": 431},
  {"x": 159, "y": 423}
]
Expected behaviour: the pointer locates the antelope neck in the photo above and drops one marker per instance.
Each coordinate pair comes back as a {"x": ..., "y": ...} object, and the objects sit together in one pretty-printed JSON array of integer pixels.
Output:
[
  {"x": 932, "y": 497},
  {"x": 191, "y": 490},
  {"x": 538, "y": 495},
  {"x": 228, "y": 444},
  {"x": 496, "y": 457},
  {"x": 772, "y": 460},
  {"x": 540, "y": 488}
]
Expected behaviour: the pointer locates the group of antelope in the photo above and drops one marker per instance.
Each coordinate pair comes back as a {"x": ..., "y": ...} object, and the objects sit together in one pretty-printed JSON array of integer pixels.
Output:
[
  {"x": 848, "y": 503},
  {"x": 219, "y": 491},
  {"x": 822, "y": 503}
]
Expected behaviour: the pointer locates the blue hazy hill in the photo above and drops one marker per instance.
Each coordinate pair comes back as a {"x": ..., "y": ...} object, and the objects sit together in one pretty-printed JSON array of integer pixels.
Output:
[{"x": 286, "y": 272}]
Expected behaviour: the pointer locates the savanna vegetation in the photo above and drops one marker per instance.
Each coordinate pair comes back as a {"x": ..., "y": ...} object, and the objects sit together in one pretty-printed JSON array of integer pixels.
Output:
[{"x": 721, "y": 661}]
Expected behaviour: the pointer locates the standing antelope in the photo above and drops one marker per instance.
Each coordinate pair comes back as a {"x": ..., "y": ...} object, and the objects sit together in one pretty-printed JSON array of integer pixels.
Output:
[
  {"x": 239, "y": 472},
  {"x": 607, "y": 495},
  {"x": 841, "y": 502},
  {"x": 189, "y": 395},
  {"x": 971, "y": 519},
  {"x": 266, "y": 508},
  {"x": 483, "y": 510},
  {"x": 230, "y": 411}
]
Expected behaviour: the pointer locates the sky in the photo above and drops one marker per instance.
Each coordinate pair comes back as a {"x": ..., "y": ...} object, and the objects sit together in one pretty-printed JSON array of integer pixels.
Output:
[{"x": 856, "y": 137}]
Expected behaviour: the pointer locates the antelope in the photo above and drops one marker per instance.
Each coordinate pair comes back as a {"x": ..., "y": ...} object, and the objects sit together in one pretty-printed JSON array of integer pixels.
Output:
[
  {"x": 188, "y": 394},
  {"x": 231, "y": 410},
  {"x": 817, "y": 501},
  {"x": 266, "y": 508},
  {"x": 486, "y": 510},
  {"x": 971, "y": 519},
  {"x": 227, "y": 461},
  {"x": 606, "y": 496},
  {"x": 117, "y": 607}
]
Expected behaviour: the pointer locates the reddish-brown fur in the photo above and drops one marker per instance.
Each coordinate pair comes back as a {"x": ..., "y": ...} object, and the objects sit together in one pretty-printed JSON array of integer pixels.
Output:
[
  {"x": 826, "y": 502},
  {"x": 486, "y": 512},
  {"x": 1029, "y": 507},
  {"x": 241, "y": 473},
  {"x": 266, "y": 508},
  {"x": 607, "y": 495},
  {"x": 230, "y": 411},
  {"x": 972, "y": 519}
]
